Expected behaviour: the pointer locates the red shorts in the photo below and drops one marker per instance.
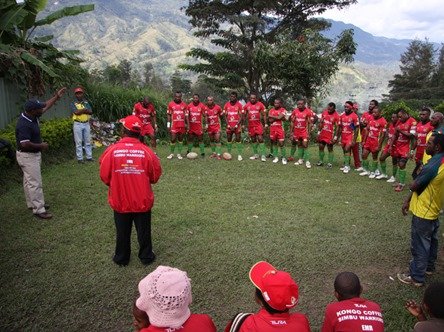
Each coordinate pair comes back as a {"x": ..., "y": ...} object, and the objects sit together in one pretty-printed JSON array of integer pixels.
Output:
[
  {"x": 195, "y": 130},
  {"x": 231, "y": 130},
  {"x": 371, "y": 145},
  {"x": 212, "y": 130},
  {"x": 300, "y": 134},
  {"x": 147, "y": 130},
  {"x": 277, "y": 134},
  {"x": 255, "y": 130},
  {"x": 346, "y": 140},
  {"x": 419, "y": 153},
  {"x": 401, "y": 151},
  {"x": 325, "y": 137},
  {"x": 177, "y": 130},
  {"x": 386, "y": 150}
]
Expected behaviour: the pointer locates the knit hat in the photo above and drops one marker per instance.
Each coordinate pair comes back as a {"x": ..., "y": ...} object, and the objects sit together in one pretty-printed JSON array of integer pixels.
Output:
[
  {"x": 165, "y": 295},
  {"x": 278, "y": 288}
]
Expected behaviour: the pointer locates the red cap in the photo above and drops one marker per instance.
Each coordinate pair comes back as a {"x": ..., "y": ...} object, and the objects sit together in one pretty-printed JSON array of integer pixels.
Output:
[
  {"x": 132, "y": 123},
  {"x": 79, "y": 89},
  {"x": 278, "y": 288}
]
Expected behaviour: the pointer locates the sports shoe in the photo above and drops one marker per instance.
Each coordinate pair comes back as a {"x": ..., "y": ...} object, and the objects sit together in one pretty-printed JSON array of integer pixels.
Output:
[
  {"x": 346, "y": 169},
  {"x": 377, "y": 172},
  {"x": 284, "y": 161},
  {"x": 239, "y": 158},
  {"x": 254, "y": 157},
  {"x": 329, "y": 165},
  {"x": 319, "y": 163},
  {"x": 342, "y": 168},
  {"x": 399, "y": 187},
  {"x": 372, "y": 175},
  {"x": 170, "y": 156},
  {"x": 179, "y": 156},
  {"x": 392, "y": 179},
  {"x": 359, "y": 169},
  {"x": 382, "y": 176},
  {"x": 290, "y": 158},
  {"x": 275, "y": 160},
  {"x": 263, "y": 158},
  {"x": 213, "y": 155},
  {"x": 43, "y": 215},
  {"x": 218, "y": 157},
  {"x": 299, "y": 162},
  {"x": 365, "y": 173},
  {"x": 307, "y": 164},
  {"x": 407, "y": 279},
  {"x": 270, "y": 155}
]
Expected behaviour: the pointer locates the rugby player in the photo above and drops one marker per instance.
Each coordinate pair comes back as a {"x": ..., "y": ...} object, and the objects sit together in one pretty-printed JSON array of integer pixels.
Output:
[{"x": 176, "y": 116}]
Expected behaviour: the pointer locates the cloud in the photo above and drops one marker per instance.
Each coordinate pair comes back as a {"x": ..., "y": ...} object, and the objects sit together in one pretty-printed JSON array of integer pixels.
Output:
[{"x": 395, "y": 19}]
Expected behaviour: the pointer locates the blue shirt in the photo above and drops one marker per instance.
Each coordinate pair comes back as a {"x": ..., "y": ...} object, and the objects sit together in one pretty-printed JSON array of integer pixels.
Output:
[{"x": 27, "y": 130}]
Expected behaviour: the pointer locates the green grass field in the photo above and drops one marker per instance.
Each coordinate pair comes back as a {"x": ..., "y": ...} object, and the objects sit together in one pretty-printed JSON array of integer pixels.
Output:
[{"x": 213, "y": 219}]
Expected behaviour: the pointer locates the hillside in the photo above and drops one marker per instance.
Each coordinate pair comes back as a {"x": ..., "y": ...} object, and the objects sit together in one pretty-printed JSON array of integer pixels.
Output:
[{"x": 157, "y": 31}]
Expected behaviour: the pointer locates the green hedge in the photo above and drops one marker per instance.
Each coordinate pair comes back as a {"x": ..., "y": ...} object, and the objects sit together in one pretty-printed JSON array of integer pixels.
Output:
[{"x": 111, "y": 103}]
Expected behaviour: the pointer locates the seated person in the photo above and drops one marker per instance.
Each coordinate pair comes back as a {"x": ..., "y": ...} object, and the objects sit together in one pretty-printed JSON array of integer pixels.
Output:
[
  {"x": 165, "y": 296},
  {"x": 433, "y": 304},
  {"x": 276, "y": 292},
  {"x": 351, "y": 312},
  {"x": 141, "y": 319}
]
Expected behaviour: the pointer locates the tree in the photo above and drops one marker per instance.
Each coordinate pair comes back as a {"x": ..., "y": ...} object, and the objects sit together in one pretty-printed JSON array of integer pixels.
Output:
[
  {"x": 178, "y": 83},
  {"x": 438, "y": 76},
  {"x": 243, "y": 27},
  {"x": 33, "y": 62},
  {"x": 417, "y": 68},
  {"x": 124, "y": 67}
]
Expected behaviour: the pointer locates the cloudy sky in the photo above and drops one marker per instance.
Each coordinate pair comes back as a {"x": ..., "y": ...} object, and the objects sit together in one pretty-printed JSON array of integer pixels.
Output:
[{"x": 395, "y": 18}]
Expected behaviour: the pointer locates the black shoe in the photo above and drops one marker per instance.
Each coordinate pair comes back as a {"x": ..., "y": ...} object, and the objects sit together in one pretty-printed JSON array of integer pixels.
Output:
[
  {"x": 44, "y": 215},
  {"x": 81, "y": 161},
  {"x": 202, "y": 155},
  {"x": 90, "y": 160},
  {"x": 149, "y": 261}
]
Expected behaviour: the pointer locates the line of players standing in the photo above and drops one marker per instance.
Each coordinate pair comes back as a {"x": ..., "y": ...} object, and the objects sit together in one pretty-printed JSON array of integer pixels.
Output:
[{"x": 402, "y": 136}]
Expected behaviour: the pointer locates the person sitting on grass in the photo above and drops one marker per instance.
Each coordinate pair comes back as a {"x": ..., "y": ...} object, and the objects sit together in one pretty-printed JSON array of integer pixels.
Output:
[
  {"x": 433, "y": 305},
  {"x": 165, "y": 297},
  {"x": 351, "y": 313},
  {"x": 276, "y": 292},
  {"x": 141, "y": 320}
]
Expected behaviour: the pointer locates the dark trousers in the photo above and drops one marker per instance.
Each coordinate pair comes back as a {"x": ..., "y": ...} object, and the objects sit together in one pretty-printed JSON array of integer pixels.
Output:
[{"x": 124, "y": 223}]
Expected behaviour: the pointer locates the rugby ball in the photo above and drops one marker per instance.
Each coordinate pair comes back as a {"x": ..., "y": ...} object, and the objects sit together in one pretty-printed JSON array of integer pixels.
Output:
[
  {"x": 226, "y": 156},
  {"x": 192, "y": 155}
]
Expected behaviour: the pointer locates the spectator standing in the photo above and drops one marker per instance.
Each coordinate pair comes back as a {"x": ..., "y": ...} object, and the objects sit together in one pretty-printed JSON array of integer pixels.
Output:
[
  {"x": 81, "y": 113},
  {"x": 129, "y": 168}
]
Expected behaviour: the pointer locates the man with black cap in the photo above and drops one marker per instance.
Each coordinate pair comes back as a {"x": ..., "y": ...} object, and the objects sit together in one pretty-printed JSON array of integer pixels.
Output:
[
  {"x": 129, "y": 168},
  {"x": 81, "y": 113},
  {"x": 29, "y": 147}
]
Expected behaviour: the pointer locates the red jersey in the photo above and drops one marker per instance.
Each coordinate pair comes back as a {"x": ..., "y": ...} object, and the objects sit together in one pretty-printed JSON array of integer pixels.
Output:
[
  {"x": 265, "y": 322},
  {"x": 233, "y": 113},
  {"x": 129, "y": 168},
  {"x": 195, "y": 113},
  {"x": 355, "y": 315},
  {"x": 277, "y": 112},
  {"x": 421, "y": 133},
  {"x": 403, "y": 141},
  {"x": 366, "y": 117},
  {"x": 348, "y": 123},
  {"x": 376, "y": 127},
  {"x": 213, "y": 115},
  {"x": 196, "y": 322},
  {"x": 178, "y": 113},
  {"x": 144, "y": 113},
  {"x": 301, "y": 119},
  {"x": 328, "y": 122},
  {"x": 254, "y": 113}
]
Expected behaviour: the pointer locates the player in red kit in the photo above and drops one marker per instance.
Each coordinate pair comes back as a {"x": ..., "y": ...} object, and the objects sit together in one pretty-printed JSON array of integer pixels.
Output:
[
  {"x": 145, "y": 111},
  {"x": 254, "y": 112},
  {"x": 423, "y": 127},
  {"x": 388, "y": 151},
  {"x": 300, "y": 125},
  {"x": 328, "y": 130},
  {"x": 348, "y": 129},
  {"x": 276, "y": 116},
  {"x": 233, "y": 112},
  {"x": 366, "y": 117},
  {"x": 372, "y": 142},
  {"x": 213, "y": 113},
  {"x": 195, "y": 111},
  {"x": 405, "y": 133},
  {"x": 176, "y": 117}
]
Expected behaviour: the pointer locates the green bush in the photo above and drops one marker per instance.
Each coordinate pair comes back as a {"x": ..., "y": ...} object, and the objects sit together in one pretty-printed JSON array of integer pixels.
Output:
[
  {"x": 111, "y": 103},
  {"x": 439, "y": 108}
]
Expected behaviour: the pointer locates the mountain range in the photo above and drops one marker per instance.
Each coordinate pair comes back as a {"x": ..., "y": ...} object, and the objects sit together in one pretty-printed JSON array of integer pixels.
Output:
[{"x": 158, "y": 31}]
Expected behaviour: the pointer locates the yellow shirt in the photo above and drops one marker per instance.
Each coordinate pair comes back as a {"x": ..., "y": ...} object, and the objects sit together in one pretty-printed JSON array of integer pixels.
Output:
[
  {"x": 428, "y": 204},
  {"x": 80, "y": 105},
  {"x": 426, "y": 157}
]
